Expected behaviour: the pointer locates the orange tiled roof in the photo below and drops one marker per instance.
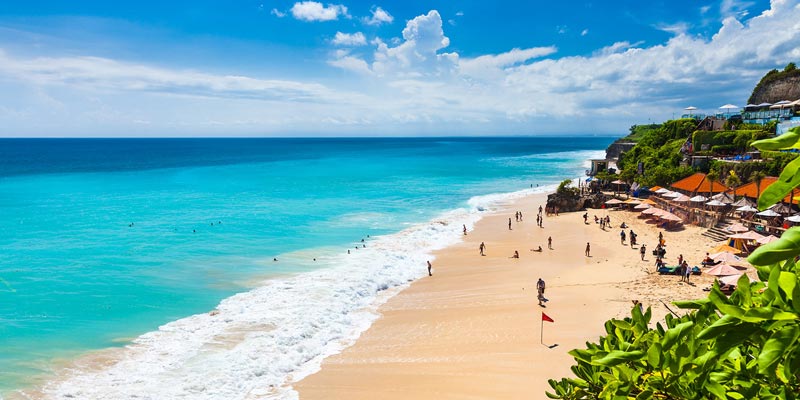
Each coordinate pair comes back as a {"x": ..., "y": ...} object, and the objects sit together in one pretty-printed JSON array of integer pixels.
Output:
[
  {"x": 751, "y": 190},
  {"x": 698, "y": 183}
]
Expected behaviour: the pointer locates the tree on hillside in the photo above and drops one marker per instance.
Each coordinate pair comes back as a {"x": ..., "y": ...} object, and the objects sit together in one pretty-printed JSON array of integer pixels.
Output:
[
  {"x": 712, "y": 177},
  {"x": 733, "y": 181},
  {"x": 757, "y": 177}
]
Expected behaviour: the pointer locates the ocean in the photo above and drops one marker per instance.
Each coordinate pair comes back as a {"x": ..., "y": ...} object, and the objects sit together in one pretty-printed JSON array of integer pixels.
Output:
[{"x": 228, "y": 268}]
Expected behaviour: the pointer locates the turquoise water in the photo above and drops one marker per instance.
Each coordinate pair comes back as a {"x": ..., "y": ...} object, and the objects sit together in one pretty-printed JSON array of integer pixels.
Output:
[{"x": 104, "y": 240}]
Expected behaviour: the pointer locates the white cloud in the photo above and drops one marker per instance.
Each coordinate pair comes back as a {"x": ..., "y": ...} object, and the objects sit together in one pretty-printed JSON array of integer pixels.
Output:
[
  {"x": 379, "y": 16},
  {"x": 277, "y": 13},
  {"x": 416, "y": 86},
  {"x": 349, "y": 39},
  {"x": 460, "y": 14},
  {"x": 491, "y": 65},
  {"x": 314, "y": 11},
  {"x": 678, "y": 28},
  {"x": 584, "y": 32},
  {"x": 350, "y": 63},
  {"x": 729, "y": 8}
]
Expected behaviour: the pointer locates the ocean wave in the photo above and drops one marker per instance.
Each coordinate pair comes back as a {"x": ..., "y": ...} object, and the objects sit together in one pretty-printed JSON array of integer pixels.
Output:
[{"x": 255, "y": 344}]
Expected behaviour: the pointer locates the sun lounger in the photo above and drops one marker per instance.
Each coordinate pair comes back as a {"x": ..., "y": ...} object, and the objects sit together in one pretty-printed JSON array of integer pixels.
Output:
[{"x": 668, "y": 270}]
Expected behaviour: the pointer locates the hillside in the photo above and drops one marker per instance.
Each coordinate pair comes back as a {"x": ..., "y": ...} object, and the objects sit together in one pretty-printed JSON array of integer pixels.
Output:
[{"x": 777, "y": 85}]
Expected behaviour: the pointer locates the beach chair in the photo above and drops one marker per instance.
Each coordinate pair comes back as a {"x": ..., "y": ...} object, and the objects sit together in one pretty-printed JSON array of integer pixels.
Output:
[{"x": 668, "y": 270}]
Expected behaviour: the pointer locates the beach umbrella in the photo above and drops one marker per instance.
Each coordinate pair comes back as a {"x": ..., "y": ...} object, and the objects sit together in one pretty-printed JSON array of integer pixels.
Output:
[
  {"x": 781, "y": 208},
  {"x": 633, "y": 201},
  {"x": 715, "y": 203},
  {"x": 652, "y": 210},
  {"x": 733, "y": 279},
  {"x": 794, "y": 218},
  {"x": 662, "y": 191},
  {"x": 749, "y": 235},
  {"x": 723, "y": 270},
  {"x": 765, "y": 104},
  {"x": 698, "y": 199},
  {"x": 728, "y": 108},
  {"x": 648, "y": 201},
  {"x": 682, "y": 198},
  {"x": 767, "y": 239},
  {"x": 768, "y": 213},
  {"x": 747, "y": 209},
  {"x": 737, "y": 227},
  {"x": 723, "y": 197},
  {"x": 726, "y": 248},
  {"x": 744, "y": 201},
  {"x": 614, "y": 201},
  {"x": 672, "y": 195},
  {"x": 670, "y": 217},
  {"x": 690, "y": 109},
  {"x": 729, "y": 258},
  {"x": 642, "y": 206}
]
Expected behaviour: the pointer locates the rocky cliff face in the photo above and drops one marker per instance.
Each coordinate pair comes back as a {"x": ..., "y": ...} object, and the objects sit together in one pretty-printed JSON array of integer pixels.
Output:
[
  {"x": 615, "y": 149},
  {"x": 566, "y": 203},
  {"x": 783, "y": 89}
]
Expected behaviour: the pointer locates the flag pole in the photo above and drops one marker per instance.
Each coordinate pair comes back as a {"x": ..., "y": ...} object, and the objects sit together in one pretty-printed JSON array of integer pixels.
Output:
[{"x": 541, "y": 332}]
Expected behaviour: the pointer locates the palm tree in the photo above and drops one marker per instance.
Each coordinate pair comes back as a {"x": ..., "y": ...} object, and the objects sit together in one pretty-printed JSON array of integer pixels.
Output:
[
  {"x": 712, "y": 176},
  {"x": 733, "y": 181},
  {"x": 757, "y": 177}
]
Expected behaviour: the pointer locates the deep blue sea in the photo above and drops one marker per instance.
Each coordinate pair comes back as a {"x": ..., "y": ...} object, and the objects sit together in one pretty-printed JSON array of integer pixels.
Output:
[{"x": 106, "y": 243}]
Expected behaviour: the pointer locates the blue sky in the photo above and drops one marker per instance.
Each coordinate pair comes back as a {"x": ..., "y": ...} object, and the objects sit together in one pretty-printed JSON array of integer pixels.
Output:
[{"x": 305, "y": 68}]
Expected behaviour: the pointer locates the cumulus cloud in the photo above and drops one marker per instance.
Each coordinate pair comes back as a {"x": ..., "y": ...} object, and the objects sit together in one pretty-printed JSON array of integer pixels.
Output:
[
  {"x": 584, "y": 32},
  {"x": 349, "y": 39},
  {"x": 418, "y": 85},
  {"x": 379, "y": 16},
  {"x": 313, "y": 11}
]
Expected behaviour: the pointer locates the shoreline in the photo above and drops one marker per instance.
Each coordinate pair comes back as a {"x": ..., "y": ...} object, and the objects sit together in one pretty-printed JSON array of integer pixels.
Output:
[
  {"x": 472, "y": 329},
  {"x": 101, "y": 360}
]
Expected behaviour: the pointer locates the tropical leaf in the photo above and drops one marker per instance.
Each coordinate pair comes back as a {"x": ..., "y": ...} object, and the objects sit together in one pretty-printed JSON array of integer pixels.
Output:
[
  {"x": 788, "y": 246},
  {"x": 617, "y": 357},
  {"x": 775, "y": 347},
  {"x": 786, "y": 141},
  {"x": 788, "y": 180}
]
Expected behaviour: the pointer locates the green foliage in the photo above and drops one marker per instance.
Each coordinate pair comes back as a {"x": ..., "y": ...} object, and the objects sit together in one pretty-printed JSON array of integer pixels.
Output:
[
  {"x": 746, "y": 346},
  {"x": 738, "y": 140},
  {"x": 565, "y": 188},
  {"x": 658, "y": 148},
  {"x": 774, "y": 75}
]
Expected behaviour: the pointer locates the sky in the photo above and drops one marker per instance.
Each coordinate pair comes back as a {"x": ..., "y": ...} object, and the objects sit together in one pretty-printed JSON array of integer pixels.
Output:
[{"x": 379, "y": 68}]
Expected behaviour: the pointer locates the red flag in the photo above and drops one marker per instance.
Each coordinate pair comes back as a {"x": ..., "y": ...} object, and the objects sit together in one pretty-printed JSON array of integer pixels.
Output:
[{"x": 546, "y": 318}]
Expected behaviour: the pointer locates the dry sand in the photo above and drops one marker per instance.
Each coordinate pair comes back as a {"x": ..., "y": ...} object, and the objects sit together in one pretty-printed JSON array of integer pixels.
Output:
[{"x": 472, "y": 330}]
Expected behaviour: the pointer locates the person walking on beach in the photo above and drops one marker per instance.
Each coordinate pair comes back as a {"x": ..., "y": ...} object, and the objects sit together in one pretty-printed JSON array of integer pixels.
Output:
[
  {"x": 540, "y": 209},
  {"x": 429, "y": 269},
  {"x": 482, "y": 247},
  {"x": 642, "y": 251},
  {"x": 588, "y": 249},
  {"x": 509, "y": 224},
  {"x": 688, "y": 271},
  {"x": 622, "y": 237},
  {"x": 540, "y": 289},
  {"x": 465, "y": 230}
]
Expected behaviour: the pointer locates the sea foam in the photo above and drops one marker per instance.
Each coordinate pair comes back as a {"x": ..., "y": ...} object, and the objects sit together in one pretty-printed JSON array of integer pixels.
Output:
[{"x": 257, "y": 343}]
